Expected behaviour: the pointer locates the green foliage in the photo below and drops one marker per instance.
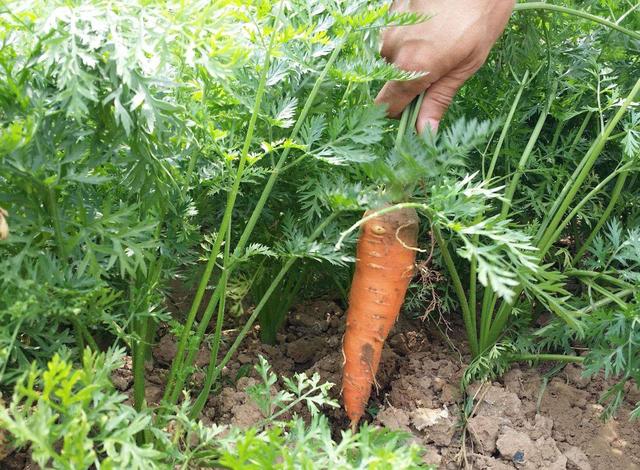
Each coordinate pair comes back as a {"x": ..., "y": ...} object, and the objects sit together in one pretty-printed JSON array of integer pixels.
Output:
[
  {"x": 230, "y": 143},
  {"x": 73, "y": 418}
]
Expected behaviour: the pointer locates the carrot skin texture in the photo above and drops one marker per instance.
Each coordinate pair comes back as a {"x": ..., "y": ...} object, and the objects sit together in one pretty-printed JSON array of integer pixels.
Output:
[{"x": 385, "y": 264}]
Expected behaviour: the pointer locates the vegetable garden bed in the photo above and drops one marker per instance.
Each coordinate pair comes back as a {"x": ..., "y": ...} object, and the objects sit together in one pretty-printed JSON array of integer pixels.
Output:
[{"x": 182, "y": 188}]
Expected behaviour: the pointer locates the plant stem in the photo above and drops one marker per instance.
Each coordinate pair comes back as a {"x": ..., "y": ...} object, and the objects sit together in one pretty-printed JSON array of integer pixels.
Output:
[
  {"x": 615, "y": 195},
  {"x": 507, "y": 126},
  {"x": 171, "y": 396},
  {"x": 545, "y": 357},
  {"x": 489, "y": 299},
  {"x": 9, "y": 350},
  {"x": 226, "y": 219},
  {"x": 213, "y": 370},
  {"x": 606, "y": 301},
  {"x": 573, "y": 12},
  {"x": 79, "y": 336},
  {"x": 533, "y": 139},
  {"x": 473, "y": 271},
  {"x": 620, "y": 172},
  {"x": 55, "y": 219},
  {"x": 217, "y": 337},
  {"x": 575, "y": 182},
  {"x": 469, "y": 320},
  {"x": 88, "y": 337},
  {"x": 141, "y": 326},
  {"x": 597, "y": 275}
]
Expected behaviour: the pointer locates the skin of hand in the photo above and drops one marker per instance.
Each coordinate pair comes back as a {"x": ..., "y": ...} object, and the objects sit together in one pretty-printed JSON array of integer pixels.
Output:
[{"x": 450, "y": 47}]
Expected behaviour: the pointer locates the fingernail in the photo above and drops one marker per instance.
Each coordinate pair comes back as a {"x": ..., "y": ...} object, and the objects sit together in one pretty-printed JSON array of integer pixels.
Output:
[{"x": 433, "y": 124}]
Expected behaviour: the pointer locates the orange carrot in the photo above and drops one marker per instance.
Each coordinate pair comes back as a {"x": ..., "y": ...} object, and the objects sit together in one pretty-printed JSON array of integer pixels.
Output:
[{"x": 385, "y": 259}]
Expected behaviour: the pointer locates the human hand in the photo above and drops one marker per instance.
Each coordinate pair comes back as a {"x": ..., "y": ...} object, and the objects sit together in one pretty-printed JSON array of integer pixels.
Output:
[{"x": 450, "y": 46}]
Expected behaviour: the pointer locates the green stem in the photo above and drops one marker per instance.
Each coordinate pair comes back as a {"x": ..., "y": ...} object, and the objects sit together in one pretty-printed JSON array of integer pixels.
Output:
[
  {"x": 473, "y": 272},
  {"x": 545, "y": 357},
  {"x": 213, "y": 370},
  {"x": 533, "y": 139},
  {"x": 217, "y": 337},
  {"x": 620, "y": 172},
  {"x": 79, "y": 336},
  {"x": 606, "y": 301},
  {"x": 556, "y": 135},
  {"x": 606, "y": 293},
  {"x": 55, "y": 219},
  {"x": 141, "y": 326},
  {"x": 581, "y": 129},
  {"x": 578, "y": 13},
  {"x": 226, "y": 219},
  {"x": 489, "y": 298},
  {"x": 88, "y": 337},
  {"x": 575, "y": 182},
  {"x": 615, "y": 195},
  {"x": 10, "y": 349},
  {"x": 469, "y": 321},
  {"x": 507, "y": 126},
  {"x": 597, "y": 275},
  {"x": 171, "y": 396},
  {"x": 565, "y": 189}
]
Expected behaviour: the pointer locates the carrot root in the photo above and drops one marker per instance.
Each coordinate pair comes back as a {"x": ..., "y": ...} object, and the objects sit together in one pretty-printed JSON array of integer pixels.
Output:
[{"x": 385, "y": 261}]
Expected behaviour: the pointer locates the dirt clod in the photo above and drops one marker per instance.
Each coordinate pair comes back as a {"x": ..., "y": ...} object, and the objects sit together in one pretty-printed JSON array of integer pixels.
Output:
[
  {"x": 485, "y": 430},
  {"x": 166, "y": 349},
  {"x": 576, "y": 459}
]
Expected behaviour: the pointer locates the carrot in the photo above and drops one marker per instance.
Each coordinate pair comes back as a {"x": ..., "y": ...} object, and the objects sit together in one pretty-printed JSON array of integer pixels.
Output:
[{"x": 385, "y": 259}]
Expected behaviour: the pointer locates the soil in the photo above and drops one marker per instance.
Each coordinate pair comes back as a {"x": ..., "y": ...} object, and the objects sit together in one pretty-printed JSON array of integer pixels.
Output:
[
  {"x": 522, "y": 421},
  {"x": 529, "y": 419}
]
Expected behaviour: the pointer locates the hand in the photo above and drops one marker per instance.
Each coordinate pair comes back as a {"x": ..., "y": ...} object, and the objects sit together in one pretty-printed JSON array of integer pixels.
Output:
[{"x": 450, "y": 46}]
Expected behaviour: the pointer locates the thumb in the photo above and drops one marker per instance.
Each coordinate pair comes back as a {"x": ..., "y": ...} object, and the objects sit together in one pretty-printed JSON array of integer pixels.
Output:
[{"x": 436, "y": 101}]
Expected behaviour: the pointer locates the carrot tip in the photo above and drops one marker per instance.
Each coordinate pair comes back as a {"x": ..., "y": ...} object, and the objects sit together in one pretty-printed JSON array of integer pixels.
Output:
[{"x": 354, "y": 425}]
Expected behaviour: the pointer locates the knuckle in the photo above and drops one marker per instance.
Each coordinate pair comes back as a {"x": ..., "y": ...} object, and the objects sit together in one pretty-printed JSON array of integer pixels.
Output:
[{"x": 411, "y": 58}]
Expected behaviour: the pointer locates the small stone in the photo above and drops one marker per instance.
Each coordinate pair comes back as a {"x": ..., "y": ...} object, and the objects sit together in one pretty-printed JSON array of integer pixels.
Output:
[
  {"x": 512, "y": 443},
  {"x": 483, "y": 462},
  {"x": 576, "y": 459},
  {"x": 518, "y": 457}
]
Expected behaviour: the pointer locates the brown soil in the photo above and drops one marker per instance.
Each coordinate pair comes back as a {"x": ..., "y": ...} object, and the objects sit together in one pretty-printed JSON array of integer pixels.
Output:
[
  {"x": 519, "y": 422},
  {"x": 516, "y": 422}
]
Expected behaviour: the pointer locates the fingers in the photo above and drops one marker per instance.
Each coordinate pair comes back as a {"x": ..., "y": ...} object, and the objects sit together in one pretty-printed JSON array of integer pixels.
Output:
[
  {"x": 397, "y": 95},
  {"x": 436, "y": 101}
]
